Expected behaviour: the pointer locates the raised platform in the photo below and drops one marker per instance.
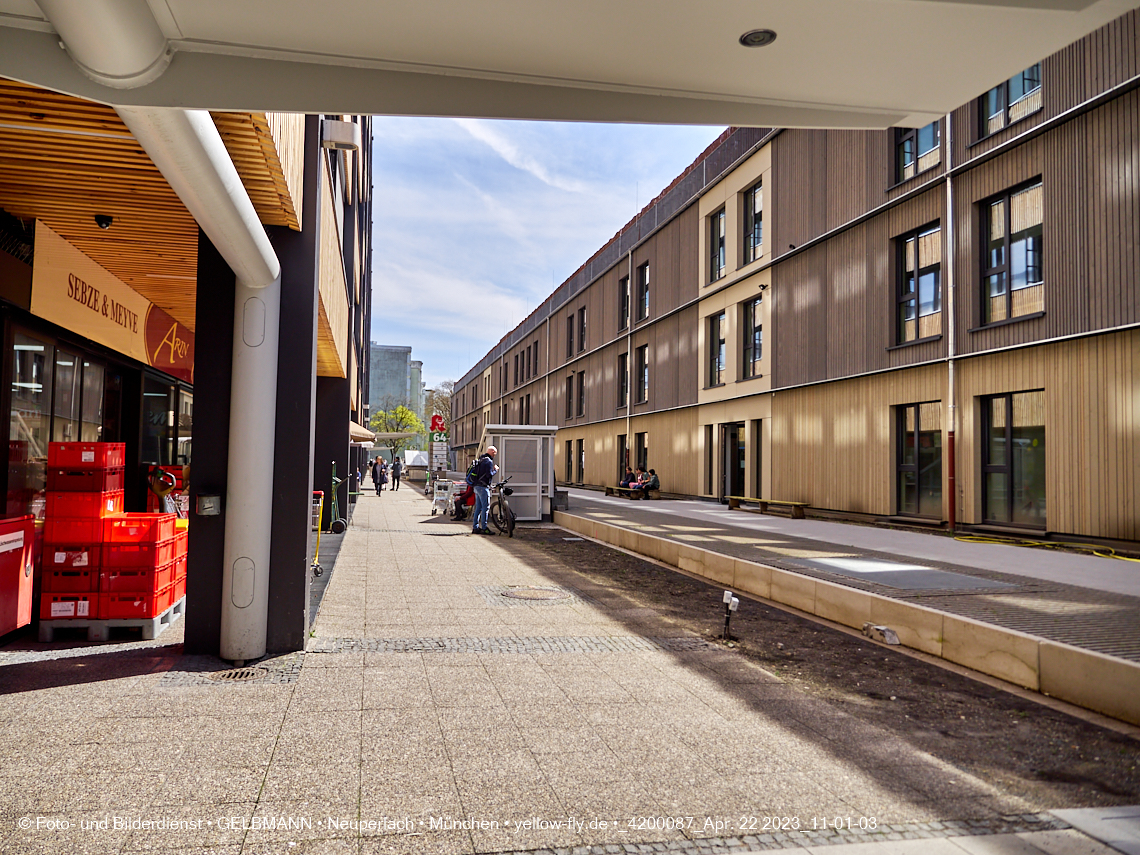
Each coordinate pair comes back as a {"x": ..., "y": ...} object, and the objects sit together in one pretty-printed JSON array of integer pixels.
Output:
[{"x": 100, "y": 630}]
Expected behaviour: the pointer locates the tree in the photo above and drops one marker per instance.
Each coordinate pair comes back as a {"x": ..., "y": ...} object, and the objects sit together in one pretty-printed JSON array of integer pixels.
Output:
[
  {"x": 397, "y": 420},
  {"x": 438, "y": 400}
]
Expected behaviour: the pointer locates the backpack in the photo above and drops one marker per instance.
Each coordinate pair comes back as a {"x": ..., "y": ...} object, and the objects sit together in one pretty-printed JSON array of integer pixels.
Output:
[{"x": 471, "y": 472}]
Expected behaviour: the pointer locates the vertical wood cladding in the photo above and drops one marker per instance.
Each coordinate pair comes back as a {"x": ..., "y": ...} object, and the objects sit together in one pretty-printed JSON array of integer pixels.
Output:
[
  {"x": 1103, "y": 59},
  {"x": 833, "y": 306},
  {"x": 1091, "y": 230},
  {"x": 1092, "y": 421}
]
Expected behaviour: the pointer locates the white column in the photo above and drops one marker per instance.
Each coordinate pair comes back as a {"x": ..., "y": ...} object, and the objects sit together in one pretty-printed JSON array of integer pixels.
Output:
[{"x": 249, "y": 494}]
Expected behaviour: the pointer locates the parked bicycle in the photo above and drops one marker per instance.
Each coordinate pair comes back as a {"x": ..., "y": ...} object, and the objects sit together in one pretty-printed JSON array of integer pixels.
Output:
[{"x": 500, "y": 513}]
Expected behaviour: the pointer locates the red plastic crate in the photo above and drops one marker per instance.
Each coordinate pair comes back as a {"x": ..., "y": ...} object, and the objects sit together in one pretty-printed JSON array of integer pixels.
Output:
[
  {"x": 70, "y": 579},
  {"x": 73, "y": 530},
  {"x": 135, "y": 579},
  {"x": 181, "y": 543},
  {"x": 179, "y": 590},
  {"x": 139, "y": 554},
  {"x": 55, "y": 606},
  {"x": 138, "y": 528},
  {"x": 86, "y": 455},
  {"x": 63, "y": 556},
  {"x": 85, "y": 480},
  {"x": 142, "y": 604},
  {"x": 180, "y": 567},
  {"x": 74, "y": 505}
]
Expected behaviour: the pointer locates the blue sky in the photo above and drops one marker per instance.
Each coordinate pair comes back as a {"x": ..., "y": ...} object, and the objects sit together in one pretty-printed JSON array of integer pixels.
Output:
[{"x": 475, "y": 222}]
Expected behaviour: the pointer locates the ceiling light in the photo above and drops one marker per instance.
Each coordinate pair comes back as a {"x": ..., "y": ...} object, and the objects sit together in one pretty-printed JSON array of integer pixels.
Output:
[{"x": 758, "y": 38}]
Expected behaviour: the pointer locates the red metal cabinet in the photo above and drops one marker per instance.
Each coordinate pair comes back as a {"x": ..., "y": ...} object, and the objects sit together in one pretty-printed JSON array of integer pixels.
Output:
[{"x": 16, "y": 536}]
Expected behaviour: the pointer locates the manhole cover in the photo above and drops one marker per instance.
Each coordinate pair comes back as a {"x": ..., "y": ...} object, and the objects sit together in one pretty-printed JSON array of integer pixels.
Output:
[
  {"x": 238, "y": 675},
  {"x": 531, "y": 592}
]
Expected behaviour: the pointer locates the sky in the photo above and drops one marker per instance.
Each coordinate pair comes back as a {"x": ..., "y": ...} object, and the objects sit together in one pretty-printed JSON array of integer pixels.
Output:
[{"x": 475, "y": 221}]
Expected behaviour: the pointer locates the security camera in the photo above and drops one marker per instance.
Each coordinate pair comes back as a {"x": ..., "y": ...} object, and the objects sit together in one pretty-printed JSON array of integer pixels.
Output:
[{"x": 103, "y": 221}]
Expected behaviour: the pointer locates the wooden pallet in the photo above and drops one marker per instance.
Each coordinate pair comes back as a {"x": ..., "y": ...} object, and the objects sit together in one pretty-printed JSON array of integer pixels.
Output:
[{"x": 100, "y": 630}]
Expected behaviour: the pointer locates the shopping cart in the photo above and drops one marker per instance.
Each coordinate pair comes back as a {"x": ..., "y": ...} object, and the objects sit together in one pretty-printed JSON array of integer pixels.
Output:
[{"x": 441, "y": 497}]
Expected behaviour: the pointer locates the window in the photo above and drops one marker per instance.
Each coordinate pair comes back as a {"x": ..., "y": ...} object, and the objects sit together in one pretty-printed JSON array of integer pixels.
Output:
[
  {"x": 581, "y": 393},
  {"x": 641, "y": 450},
  {"x": 753, "y": 327},
  {"x": 623, "y": 303},
  {"x": 1013, "y": 459},
  {"x": 570, "y": 397},
  {"x": 643, "y": 374},
  {"x": 623, "y": 380},
  {"x": 917, "y": 150},
  {"x": 535, "y": 346},
  {"x": 622, "y": 455},
  {"x": 581, "y": 461},
  {"x": 526, "y": 411},
  {"x": 716, "y": 350},
  {"x": 1012, "y": 276},
  {"x": 528, "y": 363},
  {"x": 516, "y": 369},
  {"x": 569, "y": 335},
  {"x": 716, "y": 246},
  {"x": 919, "y": 467},
  {"x": 1010, "y": 101},
  {"x": 753, "y": 222},
  {"x": 710, "y": 466},
  {"x": 569, "y": 460},
  {"x": 643, "y": 292},
  {"x": 581, "y": 329},
  {"x": 920, "y": 285}
]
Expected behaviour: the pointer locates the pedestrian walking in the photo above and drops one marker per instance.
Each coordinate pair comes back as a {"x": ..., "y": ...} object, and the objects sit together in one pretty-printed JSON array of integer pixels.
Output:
[
  {"x": 397, "y": 471},
  {"x": 377, "y": 474},
  {"x": 481, "y": 478}
]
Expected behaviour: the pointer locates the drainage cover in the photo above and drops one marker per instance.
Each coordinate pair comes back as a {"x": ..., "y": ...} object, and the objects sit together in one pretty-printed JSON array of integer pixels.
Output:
[
  {"x": 238, "y": 675},
  {"x": 533, "y": 592}
]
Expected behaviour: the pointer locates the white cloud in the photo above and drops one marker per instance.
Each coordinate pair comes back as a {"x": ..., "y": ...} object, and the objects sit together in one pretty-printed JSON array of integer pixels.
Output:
[{"x": 487, "y": 132}]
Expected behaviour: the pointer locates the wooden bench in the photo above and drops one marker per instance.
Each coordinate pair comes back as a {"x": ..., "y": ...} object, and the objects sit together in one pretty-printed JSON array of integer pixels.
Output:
[
  {"x": 797, "y": 508},
  {"x": 630, "y": 492}
]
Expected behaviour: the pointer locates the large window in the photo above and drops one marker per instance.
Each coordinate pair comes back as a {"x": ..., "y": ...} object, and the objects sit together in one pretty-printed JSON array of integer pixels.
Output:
[
  {"x": 716, "y": 349},
  {"x": 716, "y": 246},
  {"x": 1012, "y": 274},
  {"x": 917, "y": 150},
  {"x": 920, "y": 284},
  {"x": 623, "y": 380},
  {"x": 753, "y": 327},
  {"x": 753, "y": 223},
  {"x": 643, "y": 292},
  {"x": 641, "y": 451},
  {"x": 1010, "y": 101},
  {"x": 642, "y": 374},
  {"x": 581, "y": 329},
  {"x": 30, "y": 428},
  {"x": 623, "y": 303},
  {"x": 919, "y": 460},
  {"x": 581, "y": 393},
  {"x": 1013, "y": 460}
]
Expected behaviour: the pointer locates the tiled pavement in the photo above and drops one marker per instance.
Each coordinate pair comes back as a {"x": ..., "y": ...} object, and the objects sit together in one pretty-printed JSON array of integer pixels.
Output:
[{"x": 429, "y": 717}]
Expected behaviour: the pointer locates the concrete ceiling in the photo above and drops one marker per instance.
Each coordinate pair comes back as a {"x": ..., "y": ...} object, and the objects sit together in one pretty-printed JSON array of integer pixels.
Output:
[{"x": 834, "y": 63}]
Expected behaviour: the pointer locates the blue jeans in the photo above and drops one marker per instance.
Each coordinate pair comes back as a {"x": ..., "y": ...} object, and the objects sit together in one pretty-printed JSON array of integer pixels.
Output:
[{"x": 482, "y": 505}]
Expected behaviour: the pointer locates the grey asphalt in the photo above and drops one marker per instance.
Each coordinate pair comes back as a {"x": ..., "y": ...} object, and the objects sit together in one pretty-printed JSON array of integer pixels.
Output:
[{"x": 441, "y": 708}]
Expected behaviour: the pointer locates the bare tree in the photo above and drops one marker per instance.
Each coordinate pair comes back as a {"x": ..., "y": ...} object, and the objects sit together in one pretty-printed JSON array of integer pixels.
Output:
[{"x": 439, "y": 401}]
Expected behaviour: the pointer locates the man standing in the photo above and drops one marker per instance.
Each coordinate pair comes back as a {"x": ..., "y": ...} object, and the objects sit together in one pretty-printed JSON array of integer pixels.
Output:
[{"x": 484, "y": 472}]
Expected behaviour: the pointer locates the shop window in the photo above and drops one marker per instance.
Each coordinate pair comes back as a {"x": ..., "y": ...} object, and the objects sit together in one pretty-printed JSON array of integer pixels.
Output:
[
  {"x": 1010, "y": 101},
  {"x": 30, "y": 426},
  {"x": 753, "y": 222},
  {"x": 919, "y": 460},
  {"x": 91, "y": 403},
  {"x": 920, "y": 284},
  {"x": 1013, "y": 272},
  {"x": 1013, "y": 459},
  {"x": 65, "y": 398},
  {"x": 158, "y": 420}
]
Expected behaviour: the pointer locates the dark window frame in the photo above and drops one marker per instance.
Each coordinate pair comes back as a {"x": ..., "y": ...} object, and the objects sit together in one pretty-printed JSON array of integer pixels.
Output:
[
  {"x": 581, "y": 328},
  {"x": 581, "y": 407},
  {"x": 570, "y": 335},
  {"x": 1005, "y": 268},
  {"x": 642, "y": 370},
  {"x": 718, "y": 348},
  {"x": 718, "y": 245},
  {"x": 753, "y": 345},
  {"x": 643, "y": 300},
  {"x": 905, "y": 297},
  {"x": 570, "y": 397},
  {"x": 623, "y": 380},
  {"x": 909, "y": 142},
  {"x": 998, "y": 100},
  {"x": 753, "y": 223},
  {"x": 1007, "y": 469},
  {"x": 623, "y": 303}
]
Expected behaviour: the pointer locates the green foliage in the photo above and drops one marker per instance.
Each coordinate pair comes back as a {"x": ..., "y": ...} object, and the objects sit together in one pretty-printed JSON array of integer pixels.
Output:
[{"x": 398, "y": 420}]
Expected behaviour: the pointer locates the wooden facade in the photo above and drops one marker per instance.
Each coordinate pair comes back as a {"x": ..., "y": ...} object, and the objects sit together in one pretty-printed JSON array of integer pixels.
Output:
[{"x": 843, "y": 367}]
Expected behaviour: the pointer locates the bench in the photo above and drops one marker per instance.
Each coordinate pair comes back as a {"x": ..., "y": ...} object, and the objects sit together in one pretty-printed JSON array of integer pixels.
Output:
[
  {"x": 630, "y": 492},
  {"x": 797, "y": 508}
]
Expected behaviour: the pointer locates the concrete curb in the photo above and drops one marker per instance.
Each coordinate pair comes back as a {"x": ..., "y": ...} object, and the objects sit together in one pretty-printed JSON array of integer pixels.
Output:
[{"x": 1087, "y": 679}]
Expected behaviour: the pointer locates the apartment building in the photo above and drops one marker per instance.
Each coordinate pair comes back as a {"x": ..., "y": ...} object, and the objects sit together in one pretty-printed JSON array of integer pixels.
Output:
[{"x": 938, "y": 324}]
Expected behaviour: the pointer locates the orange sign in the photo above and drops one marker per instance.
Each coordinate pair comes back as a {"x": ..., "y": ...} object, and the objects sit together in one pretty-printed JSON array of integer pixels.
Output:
[{"x": 71, "y": 290}]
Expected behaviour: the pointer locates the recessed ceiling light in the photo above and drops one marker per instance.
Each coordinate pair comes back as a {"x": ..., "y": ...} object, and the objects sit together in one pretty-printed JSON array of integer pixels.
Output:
[{"x": 758, "y": 38}]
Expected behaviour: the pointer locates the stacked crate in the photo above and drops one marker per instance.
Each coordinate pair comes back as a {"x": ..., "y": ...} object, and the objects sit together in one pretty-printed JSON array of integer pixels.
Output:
[
  {"x": 140, "y": 566},
  {"x": 84, "y": 486}
]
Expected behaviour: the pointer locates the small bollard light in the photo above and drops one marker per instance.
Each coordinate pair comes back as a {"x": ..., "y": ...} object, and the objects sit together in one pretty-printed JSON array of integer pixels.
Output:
[{"x": 731, "y": 604}]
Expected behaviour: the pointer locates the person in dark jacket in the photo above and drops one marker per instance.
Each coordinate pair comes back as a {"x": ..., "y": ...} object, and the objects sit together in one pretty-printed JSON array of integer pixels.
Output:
[
  {"x": 649, "y": 482},
  {"x": 397, "y": 471},
  {"x": 377, "y": 474},
  {"x": 484, "y": 472}
]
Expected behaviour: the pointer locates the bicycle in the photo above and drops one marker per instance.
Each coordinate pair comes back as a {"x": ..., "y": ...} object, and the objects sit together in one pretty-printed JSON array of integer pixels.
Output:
[{"x": 500, "y": 513}]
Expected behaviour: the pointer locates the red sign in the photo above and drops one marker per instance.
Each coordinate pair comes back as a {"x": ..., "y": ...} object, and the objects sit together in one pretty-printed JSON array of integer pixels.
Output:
[
  {"x": 437, "y": 424},
  {"x": 169, "y": 345}
]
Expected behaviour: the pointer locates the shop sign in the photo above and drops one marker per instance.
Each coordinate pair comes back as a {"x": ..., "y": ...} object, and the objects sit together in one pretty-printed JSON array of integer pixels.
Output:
[
  {"x": 71, "y": 290},
  {"x": 438, "y": 429}
]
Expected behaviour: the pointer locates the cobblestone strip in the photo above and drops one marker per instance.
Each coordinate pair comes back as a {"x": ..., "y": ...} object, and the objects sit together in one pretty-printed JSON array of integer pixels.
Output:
[
  {"x": 508, "y": 644},
  {"x": 829, "y": 837}
]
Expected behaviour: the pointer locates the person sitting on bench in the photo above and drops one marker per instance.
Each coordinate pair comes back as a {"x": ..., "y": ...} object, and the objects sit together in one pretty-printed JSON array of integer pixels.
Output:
[
  {"x": 645, "y": 483},
  {"x": 628, "y": 479}
]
